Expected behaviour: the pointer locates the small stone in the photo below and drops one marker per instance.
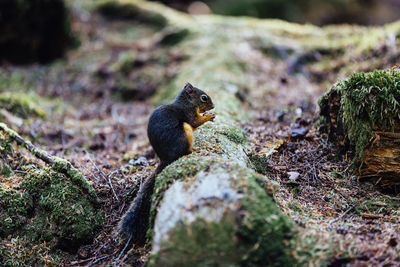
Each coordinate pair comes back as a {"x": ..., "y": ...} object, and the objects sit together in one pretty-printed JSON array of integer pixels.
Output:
[
  {"x": 299, "y": 112},
  {"x": 299, "y": 132},
  {"x": 293, "y": 175},
  {"x": 279, "y": 114},
  {"x": 139, "y": 161}
]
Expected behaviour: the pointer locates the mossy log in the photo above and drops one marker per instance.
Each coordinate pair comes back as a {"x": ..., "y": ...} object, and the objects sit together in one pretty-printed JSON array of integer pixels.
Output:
[{"x": 361, "y": 115}]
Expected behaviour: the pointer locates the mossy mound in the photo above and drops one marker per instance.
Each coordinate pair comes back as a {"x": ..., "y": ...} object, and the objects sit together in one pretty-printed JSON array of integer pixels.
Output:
[
  {"x": 33, "y": 30},
  {"x": 360, "y": 112},
  {"x": 124, "y": 10},
  {"x": 41, "y": 206},
  {"x": 21, "y": 104}
]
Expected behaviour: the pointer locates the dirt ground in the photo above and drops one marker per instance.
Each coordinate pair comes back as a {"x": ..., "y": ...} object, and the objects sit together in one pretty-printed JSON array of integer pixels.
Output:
[{"x": 105, "y": 138}]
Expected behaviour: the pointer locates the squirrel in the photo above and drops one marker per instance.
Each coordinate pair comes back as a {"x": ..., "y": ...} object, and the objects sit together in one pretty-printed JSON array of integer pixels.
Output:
[{"x": 170, "y": 132}]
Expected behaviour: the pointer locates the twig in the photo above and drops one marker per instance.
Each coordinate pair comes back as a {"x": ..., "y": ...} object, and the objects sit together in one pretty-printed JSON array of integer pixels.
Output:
[
  {"x": 96, "y": 261},
  {"x": 64, "y": 166},
  {"x": 341, "y": 216},
  {"x": 371, "y": 216},
  {"x": 82, "y": 261},
  {"x": 122, "y": 252},
  {"x": 37, "y": 152},
  {"x": 106, "y": 177}
]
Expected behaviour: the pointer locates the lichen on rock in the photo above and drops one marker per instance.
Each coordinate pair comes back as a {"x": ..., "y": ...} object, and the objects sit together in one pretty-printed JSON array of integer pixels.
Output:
[{"x": 21, "y": 104}]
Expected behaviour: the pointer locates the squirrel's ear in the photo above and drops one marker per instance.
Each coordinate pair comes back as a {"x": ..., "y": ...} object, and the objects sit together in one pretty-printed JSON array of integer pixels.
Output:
[{"x": 189, "y": 89}]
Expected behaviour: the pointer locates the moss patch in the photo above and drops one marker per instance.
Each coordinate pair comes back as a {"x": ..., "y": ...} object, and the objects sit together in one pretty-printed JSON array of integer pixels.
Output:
[
  {"x": 259, "y": 163},
  {"x": 62, "y": 210},
  {"x": 264, "y": 229},
  {"x": 235, "y": 135},
  {"x": 385, "y": 205},
  {"x": 21, "y": 104},
  {"x": 15, "y": 210},
  {"x": 206, "y": 244},
  {"x": 121, "y": 10}
]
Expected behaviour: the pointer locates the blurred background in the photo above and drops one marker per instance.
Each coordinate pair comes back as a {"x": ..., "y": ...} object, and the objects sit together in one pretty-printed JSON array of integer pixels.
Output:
[
  {"x": 39, "y": 30},
  {"x": 319, "y": 12}
]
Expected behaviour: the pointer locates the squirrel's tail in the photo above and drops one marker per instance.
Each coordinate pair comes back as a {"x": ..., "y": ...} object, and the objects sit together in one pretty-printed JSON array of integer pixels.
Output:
[{"x": 135, "y": 222}]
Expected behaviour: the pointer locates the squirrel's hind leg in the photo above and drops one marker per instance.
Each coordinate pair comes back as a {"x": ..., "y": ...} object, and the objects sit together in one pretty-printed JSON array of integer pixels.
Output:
[{"x": 189, "y": 136}]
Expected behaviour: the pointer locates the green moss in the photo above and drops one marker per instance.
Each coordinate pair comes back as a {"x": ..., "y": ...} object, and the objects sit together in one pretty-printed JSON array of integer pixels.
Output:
[
  {"x": 15, "y": 209},
  {"x": 62, "y": 210},
  {"x": 378, "y": 206},
  {"x": 6, "y": 147},
  {"x": 259, "y": 163},
  {"x": 264, "y": 228},
  {"x": 5, "y": 169},
  {"x": 368, "y": 100},
  {"x": 21, "y": 104},
  {"x": 235, "y": 135},
  {"x": 311, "y": 247},
  {"x": 206, "y": 244},
  {"x": 293, "y": 205},
  {"x": 64, "y": 166},
  {"x": 181, "y": 169}
]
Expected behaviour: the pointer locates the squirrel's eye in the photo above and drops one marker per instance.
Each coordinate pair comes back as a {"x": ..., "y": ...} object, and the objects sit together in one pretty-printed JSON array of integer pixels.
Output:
[{"x": 203, "y": 98}]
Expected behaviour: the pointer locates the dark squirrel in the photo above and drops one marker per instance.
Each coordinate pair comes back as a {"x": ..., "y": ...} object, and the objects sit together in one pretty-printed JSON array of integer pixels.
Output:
[{"x": 170, "y": 131}]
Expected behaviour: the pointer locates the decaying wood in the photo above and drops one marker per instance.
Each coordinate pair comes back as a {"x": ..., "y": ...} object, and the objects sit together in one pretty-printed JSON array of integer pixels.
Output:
[
  {"x": 330, "y": 107},
  {"x": 382, "y": 159}
]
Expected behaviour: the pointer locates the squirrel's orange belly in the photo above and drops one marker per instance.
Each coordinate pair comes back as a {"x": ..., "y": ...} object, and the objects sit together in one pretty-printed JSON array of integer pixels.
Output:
[{"x": 189, "y": 135}]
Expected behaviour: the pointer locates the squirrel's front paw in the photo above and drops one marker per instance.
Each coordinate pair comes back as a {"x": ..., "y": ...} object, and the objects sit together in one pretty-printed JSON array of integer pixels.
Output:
[{"x": 211, "y": 116}]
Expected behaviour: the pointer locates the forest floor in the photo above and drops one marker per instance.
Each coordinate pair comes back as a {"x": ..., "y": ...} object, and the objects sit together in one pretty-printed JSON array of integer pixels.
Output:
[{"x": 103, "y": 133}]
